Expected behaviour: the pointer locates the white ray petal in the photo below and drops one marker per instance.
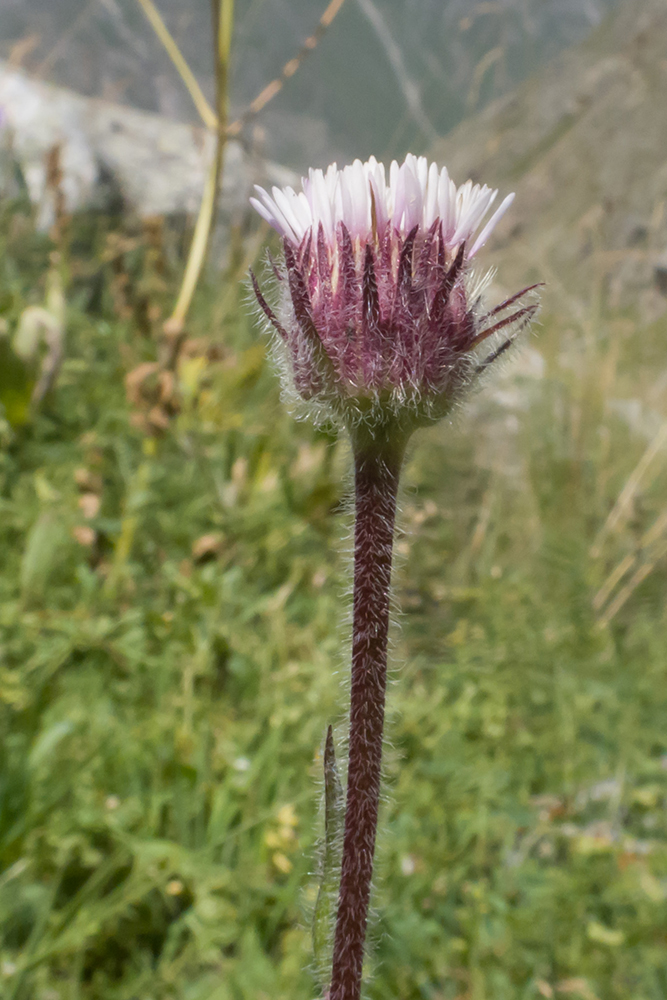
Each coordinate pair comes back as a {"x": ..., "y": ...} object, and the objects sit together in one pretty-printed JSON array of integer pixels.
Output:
[
  {"x": 303, "y": 211},
  {"x": 266, "y": 214},
  {"x": 376, "y": 179},
  {"x": 283, "y": 199},
  {"x": 413, "y": 193},
  {"x": 273, "y": 214},
  {"x": 445, "y": 206},
  {"x": 354, "y": 178},
  {"x": 491, "y": 225},
  {"x": 474, "y": 214},
  {"x": 421, "y": 173},
  {"x": 431, "y": 197},
  {"x": 319, "y": 197}
]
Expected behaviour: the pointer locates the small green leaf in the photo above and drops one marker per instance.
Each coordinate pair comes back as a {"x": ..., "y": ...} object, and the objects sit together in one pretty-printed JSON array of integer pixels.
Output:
[
  {"x": 604, "y": 935},
  {"x": 327, "y": 896},
  {"x": 47, "y": 742},
  {"x": 43, "y": 546},
  {"x": 16, "y": 385}
]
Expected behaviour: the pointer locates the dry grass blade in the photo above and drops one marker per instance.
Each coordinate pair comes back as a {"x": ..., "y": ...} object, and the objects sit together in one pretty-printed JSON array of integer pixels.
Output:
[
  {"x": 626, "y": 564},
  {"x": 205, "y": 110},
  {"x": 613, "y": 579},
  {"x": 409, "y": 87},
  {"x": 649, "y": 540},
  {"x": 638, "y": 577},
  {"x": 21, "y": 49},
  {"x": 481, "y": 69},
  {"x": 253, "y": 247},
  {"x": 57, "y": 50},
  {"x": 288, "y": 70},
  {"x": 627, "y": 493},
  {"x": 483, "y": 521}
]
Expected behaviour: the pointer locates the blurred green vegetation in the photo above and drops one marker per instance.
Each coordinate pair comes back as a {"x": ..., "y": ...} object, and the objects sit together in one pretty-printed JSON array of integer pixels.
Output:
[{"x": 173, "y": 604}]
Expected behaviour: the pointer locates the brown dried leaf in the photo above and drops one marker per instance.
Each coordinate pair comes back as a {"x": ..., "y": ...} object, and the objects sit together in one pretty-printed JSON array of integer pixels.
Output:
[
  {"x": 89, "y": 504},
  {"x": 135, "y": 379},
  {"x": 89, "y": 482},
  {"x": 207, "y": 547},
  {"x": 158, "y": 418},
  {"x": 84, "y": 535}
]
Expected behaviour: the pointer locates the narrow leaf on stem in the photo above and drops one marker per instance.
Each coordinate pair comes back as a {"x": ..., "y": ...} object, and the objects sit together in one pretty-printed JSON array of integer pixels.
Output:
[{"x": 325, "y": 907}]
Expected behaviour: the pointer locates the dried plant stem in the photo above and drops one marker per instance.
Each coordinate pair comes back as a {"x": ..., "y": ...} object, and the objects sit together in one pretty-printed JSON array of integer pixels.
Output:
[
  {"x": 216, "y": 120},
  {"x": 628, "y": 492},
  {"x": 223, "y": 20},
  {"x": 198, "y": 247},
  {"x": 206, "y": 112},
  {"x": 376, "y": 482},
  {"x": 289, "y": 69},
  {"x": 155, "y": 20}
]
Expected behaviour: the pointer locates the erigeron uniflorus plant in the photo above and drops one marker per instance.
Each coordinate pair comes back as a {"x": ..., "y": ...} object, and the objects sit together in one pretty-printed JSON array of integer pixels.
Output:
[{"x": 380, "y": 328}]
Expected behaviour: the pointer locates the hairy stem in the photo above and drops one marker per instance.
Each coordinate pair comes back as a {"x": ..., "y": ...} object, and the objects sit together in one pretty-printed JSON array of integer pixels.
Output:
[{"x": 376, "y": 482}]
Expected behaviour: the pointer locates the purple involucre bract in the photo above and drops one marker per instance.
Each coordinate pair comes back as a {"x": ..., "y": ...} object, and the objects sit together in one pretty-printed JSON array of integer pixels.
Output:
[{"x": 379, "y": 314}]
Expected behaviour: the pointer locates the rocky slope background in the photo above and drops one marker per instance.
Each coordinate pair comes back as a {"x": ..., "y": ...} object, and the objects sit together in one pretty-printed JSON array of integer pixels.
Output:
[
  {"x": 389, "y": 76},
  {"x": 585, "y": 146}
]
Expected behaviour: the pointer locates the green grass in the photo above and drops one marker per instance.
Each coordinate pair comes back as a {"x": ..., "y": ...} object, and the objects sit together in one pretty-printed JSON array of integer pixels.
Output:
[{"x": 162, "y": 714}]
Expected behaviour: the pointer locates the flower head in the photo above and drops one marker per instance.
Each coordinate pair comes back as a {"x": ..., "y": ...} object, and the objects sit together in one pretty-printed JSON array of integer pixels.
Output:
[{"x": 379, "y": 315}]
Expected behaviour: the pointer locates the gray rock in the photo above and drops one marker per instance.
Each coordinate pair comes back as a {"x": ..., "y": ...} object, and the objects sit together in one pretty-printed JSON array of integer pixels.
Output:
[{"x": 157, "y": 166}]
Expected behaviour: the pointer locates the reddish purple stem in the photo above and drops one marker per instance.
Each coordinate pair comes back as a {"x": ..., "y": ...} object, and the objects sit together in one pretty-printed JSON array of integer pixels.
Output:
[{"x": 376, "y": 483}]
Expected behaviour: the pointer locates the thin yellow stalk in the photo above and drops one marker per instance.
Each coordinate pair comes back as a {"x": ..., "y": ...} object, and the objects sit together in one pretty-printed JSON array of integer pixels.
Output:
[
  {"x": 198, "y": 249},
  {"x": 206, "y": 113},
  {"x": 223, "y": 22}
]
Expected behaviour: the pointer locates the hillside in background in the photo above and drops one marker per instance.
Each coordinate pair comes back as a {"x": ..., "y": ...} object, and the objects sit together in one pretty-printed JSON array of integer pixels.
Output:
[
  {"x": 390, "y": 74},
  {"x": 584, "y": 145}
]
